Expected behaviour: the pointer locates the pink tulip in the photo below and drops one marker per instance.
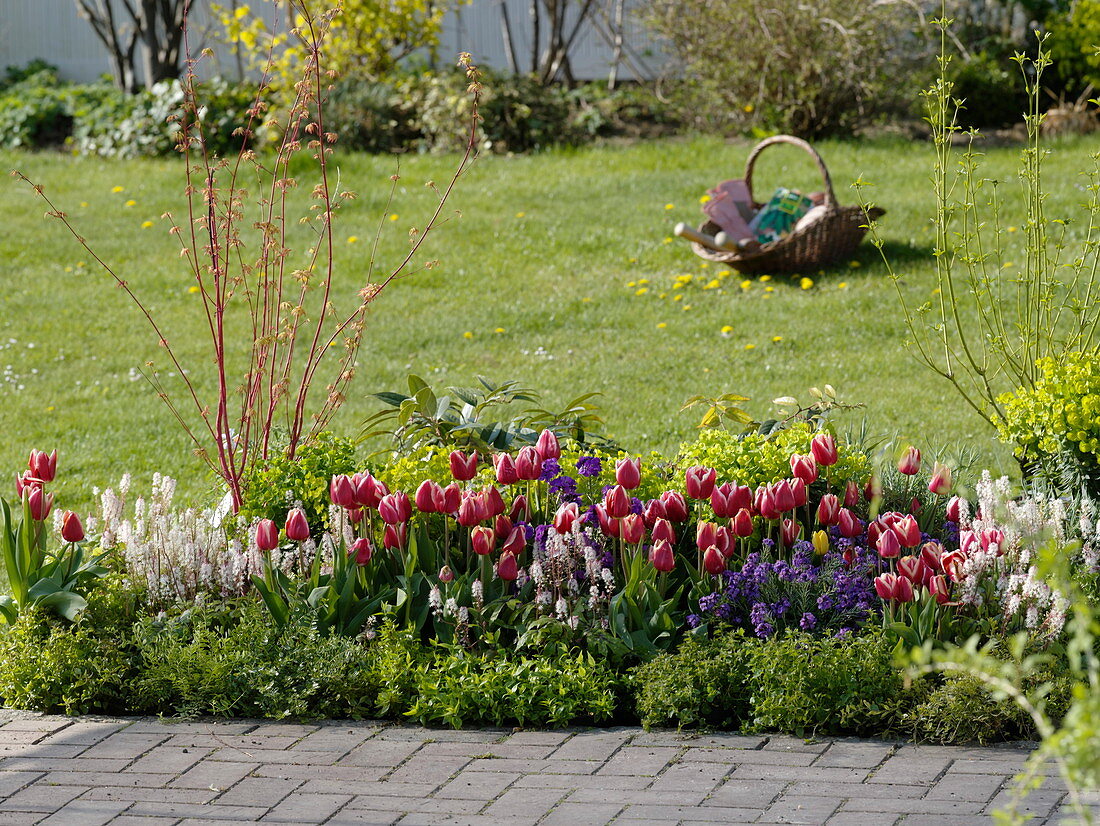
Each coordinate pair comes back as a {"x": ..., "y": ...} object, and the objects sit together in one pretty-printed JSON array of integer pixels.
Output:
[
  {"x": 515, "y": 542},
  {"x": 519, "y": 512},
  {"x": 342, "y": 492},
  {"x": 908, "y": 532},
  {"x": 828, "y": 510},
  {"x": 909, "y": 464},
  {"x": 43, "y": 466},
  {"x": 505, "y": 468},
  {"x": 663, "y": 530},
  {"x": 804, "y": 468},
  {"x": 742, "y": 524},
  {"x": 528, "y": 464},
  {"x": 872, "y": 489},
  {"x": 939, "y": 588},
  {"x": 850, "y": 527},
  {"x": 932, "y": 555},
  {"x": 993, "y": 540},
  {"x": 463, "y": 467},
  {"x": 953, "y": 563},
  {"x": 565, "y": 517},
  {"x": 954, "y": 509},
  {"x": 493, "y": 502},
  {"x": 548, "y": 446},
  {"x": 395, "y": 536},
  {"x": 507, "y": 569},
  {"x": 676, "y": 507},
  {"x": 297, "y": 528},
  {"x": 903, "y": 589},
  {"x": 884, "y": 586},
  {"x": 823, "y": 449},
  {"x": 851, "y": 493},
  {"x": 395, "y": 508},
  {"x": 706, "y": 534},
  {"x": 654, "y": 509},
  {"x": 789, "y": 532},
  {"x": 429, "y": 497},
  {"x": 71, "y": 529},
  {"x": 661, "y": 556},
  {"x": 617, "y": 502},
  {"x": 784, "y": 496},
  {"x": 800, "y": 492},
  {"x": 363, "y": 550},
  {"x": 888, "y": 545},
  {"x": 725, "y": 542},
  {"x": 941, "y": 480},
  {"x": 267, "y": 535},
  {"x": 355, "y": 515},
  {"x": 628, "y": 473},
  {"x": 368, "y": 490},
  {"x": 468, "y": 511},
  {"x": 713, "y": 561},
  {"x": 446, "y": 574},
  {"x": 482, "y": 540},
  {"x": 722, "y": 501},
  {"x": 502, "y": 526},
  {"x": 700, "y": 482},
  {"x": 452, "y": 498},
  {"x": 608, "y": 525},
  {"x": 914, "y": 568},
  {"x": 40, "y": 503},
  {"x": 632, "y": 528},
  {"x": 26, "y": 482}
]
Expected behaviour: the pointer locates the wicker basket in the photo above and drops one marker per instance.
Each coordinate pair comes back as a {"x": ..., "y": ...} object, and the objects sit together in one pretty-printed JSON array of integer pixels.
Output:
[{"x": 835, "y": 235}]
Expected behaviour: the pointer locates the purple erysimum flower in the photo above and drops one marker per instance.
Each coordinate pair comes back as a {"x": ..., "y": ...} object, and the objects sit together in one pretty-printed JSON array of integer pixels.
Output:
[
  {"x": 694, "y": 620},
  {"x": 550, "y": 469},
  {"x": 808, "y": 622},
  {"x": 589, "y": 466}
]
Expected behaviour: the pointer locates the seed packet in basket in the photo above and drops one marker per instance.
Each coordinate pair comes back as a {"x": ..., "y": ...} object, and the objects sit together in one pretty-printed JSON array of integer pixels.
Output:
[
  {"x": 776, "y": 218},
  {"x": 730, "y": 207}
]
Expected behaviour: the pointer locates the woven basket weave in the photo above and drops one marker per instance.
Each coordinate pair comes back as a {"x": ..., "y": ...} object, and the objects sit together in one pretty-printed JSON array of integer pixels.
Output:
[{"x": 835, "y": 235}]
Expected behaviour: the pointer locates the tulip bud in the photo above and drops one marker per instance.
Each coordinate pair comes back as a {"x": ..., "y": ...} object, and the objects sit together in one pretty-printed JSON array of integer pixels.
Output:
[
  {"x": 355, "y": 515},
  {"x": 297, "y": 529},
  {"x": 720, "y": 501},
  {"x": 507, "y": 569},
  {"x": 43, "y": 466},
  {"x": 784, "y": 496},
  {"x": 908, "y": 532},
  {"x": 341, "y": 491},
  {"x": 823, "y": 449},
  {"x": 633, "y": 529},
  {"x": 528, "y": 464},
  {"x": 850, "y": 527},
  {"x": 941, "y": 480},
  {"x": 395, "y": 508},
  {"x": 482, "y": 540},
  {"x": 468, "y": 511},
  {"x": 493, "y": 502},
  {"x": 565, "y": 517},
  {"x": 368, "y": 491},
  {"x": 706, "y": 534},
  {"x": 548, "y": 446},
  {"x": 955, "y": 507},
  {"x": 724, "y": 542},
  {"x": 628, "y": 473},
  {"x": 502, "y": 526},
  {"x": 713, "y": 561},
  {"x": 888, "y": 545},
  {"x": 395, "y": 536},
  {"x": 663, "y": 530},
  {"x": 654, "y": 509},
  {"x": 608, "y": 525},
  {"x": 909, "y": 464},
  {"x": 903, "y": 589},
  {"x": 452, "y": 498},
  {"x": 428, "y": 496},
  {"x": 519, "y": 511},
  {"x": 267, "y": 535},
  {"x": 446, "y": 574},
  {"x": 71, "y": 529},
  {"x": 516, "y": 541},
  {"x": 764, "y": 501},
  {"x": 932, "y": 555},
  {"x": 851, "y": 493},
  {"x": 799, "y": 491},
  {"x": 804, "y": 468},
  {"x": 363, "y": 550},
  {"x": 676, "y": 509},
  {"x": 821, "y": 542},
  {"x": 940, "y": 589},
  {"x": 789, "y": 532},
  {"x": 617, "y": 502},
  {"x": 505, "y": 468},
  {"x": 661, "y": 556},
  {"x": 914, "y": 568},
  {"x": 742, "y": 524},
  {"x": 463, "y": 467},
  {"x": 699, "y": 482},
  {"x": 828, "y": 510}
]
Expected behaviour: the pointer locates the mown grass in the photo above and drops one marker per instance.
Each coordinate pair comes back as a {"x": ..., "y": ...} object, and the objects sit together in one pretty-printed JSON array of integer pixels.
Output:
[{"x": 536, "y": 269}]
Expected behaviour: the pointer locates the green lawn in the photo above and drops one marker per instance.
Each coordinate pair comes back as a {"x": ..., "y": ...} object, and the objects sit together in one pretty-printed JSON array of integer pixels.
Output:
[{"x": 537, "y": 269}]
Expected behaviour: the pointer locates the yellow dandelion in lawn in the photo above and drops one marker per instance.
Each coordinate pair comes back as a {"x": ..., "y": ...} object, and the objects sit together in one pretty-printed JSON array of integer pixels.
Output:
[
  {"x": 50, "y": 409},
  {"x": 193, "y": 289},
  {"x": 750, "y": 346},
  {"x": 80, "y": 265},
  {"x": 632, "y": 260},
  {"x": 353, "y": 239},
  {"x": 670, "y": 206},
  {"x": 854, "y": 264},
  {"x": 146, "y": 224},
  {"x": 687, "y": 307},
  {"x": 936, "y": 291},
  {"x": 661, "y": 325},
  {"x": 746, "y": 284},
  {"x": 468, "y": 335},
  {"x": 631, "y": 283},
  {"x": 499, "y": 330},
  {"x": 521, "y": 214},
  {"x": 662, "y": 295},
  {"x": 769, "y": 289},
  {"x": 723, "y": 273},
  {"x": 668, "y": 239},
  {"x": 713, "y": 284},
  {"x": 766, "y": 296},
  {"x": 84, "y": 203},
  {"x": 704, "y": 199},
  {"x": 678, "y": 297},
  {"x": 704, "y": 264},
  {"x": 748, "y": 108},
  {"x": 806, "y": 283},
  {"x": 1012, "y": 229},
  {"x": 843, "y": 285},
  {"x": 1006, "y": 265},
  {"x": 333, "y": 343},
  {"x": 726, "y": 330},
  {"x": 641, "y": 291},
  {"x": 776, "y": 339},
  {"x": 643, "y": 280},
  {"x": 393, "y": 217},
  {"x": 586, "y": 300},
  {"x": 765, "y": 278},
  {"x": 131, "y": 203},
  {"x": 116, "y": 189},
  {"x": 68, "y": 269}
]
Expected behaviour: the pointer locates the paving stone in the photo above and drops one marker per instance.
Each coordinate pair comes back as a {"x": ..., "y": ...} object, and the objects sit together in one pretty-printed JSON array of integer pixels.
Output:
[
  {"x": 812, "y": 809},
  {"x": 44, "y": 723},
  {"x": 380, "y": 752},
  {"x": 946, "y": 820},
  {"x": 977, "y": 787},
  {"x": 779, "y": 742},
  {"x": 362, "y": 817},
  {"x": 427, "y": 769},
  {"x": 1039, "y": 802},
  {"x": 477, "y": 785},
  {"x": 507, "y": 764},
  {"x": 379, "y": 803},
  {"x": 301, "y": 758},
  {"x": 349, "y": 774},
  {"x": 487, "y": 750},
  {"x": 854, "y": 755},
  {"x": 175, "y": 727},
  {"x": 757, "y": 772},
  {"x": 83, "y": 734},
  {"x": 20, "y": 818},
  {"x": 582, "y": 814},
  {"x": 639, "y": 760},
  {"x": 123, "y": 745},
  {"x": 86, "y": 813},
  {"x": 390, "y": 789},
  {"x": 214, "y": 774},
  {"x": 148, "y": 781},
  {"x": 754, "y": 756},
  {"x": 49, "y": 764},
  {"x": 208, "y": 812},
  {"x": 136, "y": 793},
  {"x": 11, "y": 782},
  {"x": 905, "y": 767},
  {"x": 421, "y": 735},
  {"x": 168, "y": 760},
  {"x": 420, "y": 819},
  {"x": 581, "y": 781},
  {"x": 674, "y": 814},
  {"x": 283, "y": 730},
  {"x": 258, "y": 791},
  {"x": 524, "y": 803},
  {"x": 755, "y": 794},
  {"x": 627, "y": 797},
  {"x": 244, "y": 742},
  {"x": 536, "y": 738},
  {"x": 133, "y": 820},
  {"x": 864, "y": 790},
  {"x": 906, "y": 806},
  {"x": 63, "y": 752},
  {"x": 21, "y": 737},
  {"x": 591, "y": 745},
  {"x": 41, "y": 798},
  {"x": 332, "y": 738},
  {"x": 696, "y": 777},
  {"x": 862, "y": 819},
  {"x": 306, "y": 808}
]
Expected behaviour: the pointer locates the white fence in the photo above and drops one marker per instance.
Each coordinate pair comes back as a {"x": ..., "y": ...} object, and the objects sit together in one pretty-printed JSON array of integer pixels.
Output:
[{"x": 54, "y": 31}]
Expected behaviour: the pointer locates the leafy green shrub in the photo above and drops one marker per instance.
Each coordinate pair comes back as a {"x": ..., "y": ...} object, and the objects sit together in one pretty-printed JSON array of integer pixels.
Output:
[
  {"x": 50, "y": 666},
  {"x": 962, "y": 710},
  {"x": 1055, "y": 424},
  {"x": 704, "y": 683},
  {"x": 1075, "y": 34},
  {"x": 270, "y": 491}
]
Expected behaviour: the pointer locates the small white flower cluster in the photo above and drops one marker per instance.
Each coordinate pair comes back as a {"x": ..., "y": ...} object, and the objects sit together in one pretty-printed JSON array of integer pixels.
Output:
[
  {"x": 558, "y": 590},
  {"x": 180, "y": 554}
]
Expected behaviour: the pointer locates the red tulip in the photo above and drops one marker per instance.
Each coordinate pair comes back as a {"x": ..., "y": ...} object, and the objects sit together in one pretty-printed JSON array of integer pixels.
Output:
[
  {"x": 932, "y": 554},
  {"x": 363, "y": 550},
  {"x": 706, "y": 534},
  {"x": 968, "y": 542},
  {"x": 507, "y": 569},
  {"x": 993, "y": 539},
  {"x": 43, "y": 466},
  {"x": 851, "y": 493},
  {"x": 267, "y": 535},
  {"x": 341, "y": 491},
  {"x": 608, "y": 525},
  {"x": 742, "y": 523},
  {"x": 482, "y": 540},
  {"x": 617, "y": 502},
  {"x": 888, "y": 545},
  {"x": 713, "y": 561},
  {"x": 446, "y": 574},
  {"x": 548, "y": 446},
  {"x": 676, "y": 508},
  {"x": 26, "y": 482},
  {"x": 849, "y": 525},
  {"x": 355, "y": 515},
  {"x": 700, "y": 481},
  {"x": 502, "y": 526},
  {"x": 764, "y": 501},
  {"x": 799, "y": 491},
  {"x": 463, "y": 467},
  {"x": 914, "y": 568},
  {"x": 909, "y": 464},
  {"x": 395, "y": 536},
  {"x": 40, "y": 503},
  {"x": 661, "y": 556},
  {"x": 720, "y": 501},
  {"x": 941, "y": 480},
  {"x": 908, "y": 532},
  {"x": 368, "y": 490},
  {"x": 452, "y": 498},
  {"x": 784, "y": 496},
  {"x": 663, "y": 530},
  {"x": 492, "y": 501},
  {"x": 790, "y": 532},
  {"x": 633, "y": 528},
  {"x": 528, "y": 464},
  {"x": 519, "y": 512},
  {"x": 297, "y": 529},
  {"x": 804, "y": 468},
  {"x": 939, "y": 588},
  {"x": 903, "y": 590},
  {"x": 565, "y": 517},
  {"x": 725, "y": 542},
  {"x": 884, "y": 586},
  {"x": 828, "y": 510},
  {"x": 428, "y": 497},
  {"x": 506, "y": 468},
  {"x": 823, "y": 449},
  {"x": 628, "y": 473},
  {"x": 516, "y": 541},
  {"x": 953, "y": 565},
  {"x": 955, "y": 508},
  {"x": 654, "y": 509},
  {"x": 395, "y": 508},
  {"x": 468, "y": 511},
  {"x": 71, "y": 529}
]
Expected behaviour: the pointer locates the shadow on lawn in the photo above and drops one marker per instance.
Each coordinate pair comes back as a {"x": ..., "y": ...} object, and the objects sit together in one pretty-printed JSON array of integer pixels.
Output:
[{"x": 867, "y": 260}]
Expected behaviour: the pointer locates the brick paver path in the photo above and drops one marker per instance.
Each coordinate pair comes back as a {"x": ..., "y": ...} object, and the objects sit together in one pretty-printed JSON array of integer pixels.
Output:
[{"x": 146, "y": 772}]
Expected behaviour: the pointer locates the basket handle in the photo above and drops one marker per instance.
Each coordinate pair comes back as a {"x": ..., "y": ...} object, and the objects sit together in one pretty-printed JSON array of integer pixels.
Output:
[{"x": 830, "y": 196}]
